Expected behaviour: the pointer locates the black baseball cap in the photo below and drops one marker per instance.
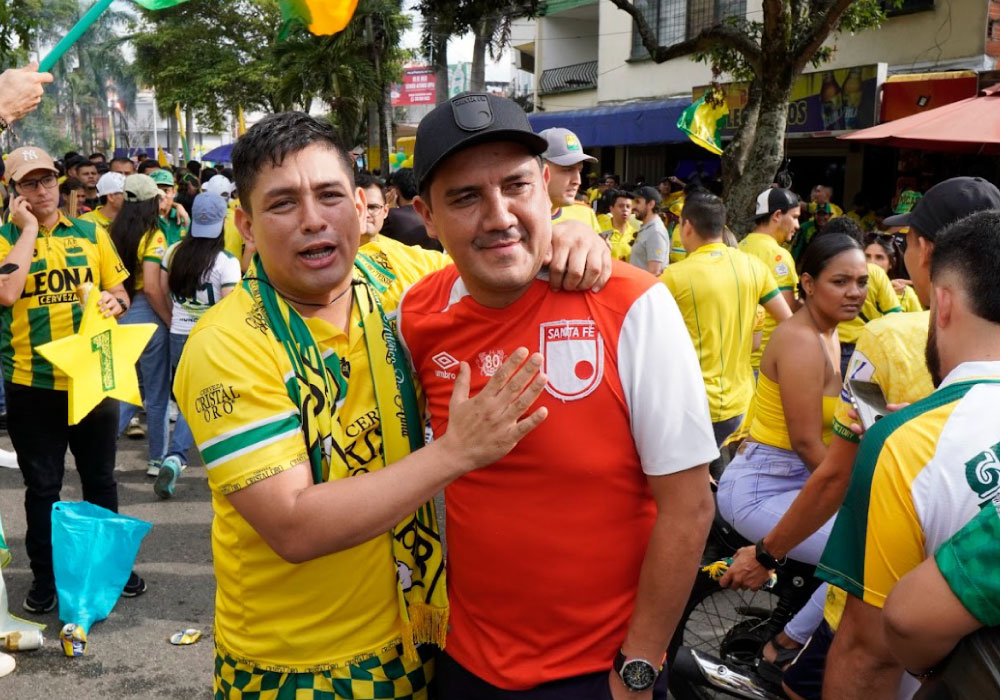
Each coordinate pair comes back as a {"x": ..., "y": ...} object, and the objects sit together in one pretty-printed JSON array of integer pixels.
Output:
[
  {"x": 650, "y": 194},
  {"x": 774, "y": 199},
  {"x": 468, "y": 119},
  {"x": 946, "y": 203}
]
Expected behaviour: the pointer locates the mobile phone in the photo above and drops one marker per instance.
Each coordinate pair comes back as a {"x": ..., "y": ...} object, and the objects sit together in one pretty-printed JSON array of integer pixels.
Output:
[
  {"x": 868, "y": 401},
  {"x": 8, "y": 268}
]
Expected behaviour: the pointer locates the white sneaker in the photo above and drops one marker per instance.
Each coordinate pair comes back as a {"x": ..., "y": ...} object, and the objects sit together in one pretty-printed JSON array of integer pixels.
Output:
[
  {"x": 134, "y": 429},
  {"x": 153, "y": 468},
  {"x": 174, "y": 411}
]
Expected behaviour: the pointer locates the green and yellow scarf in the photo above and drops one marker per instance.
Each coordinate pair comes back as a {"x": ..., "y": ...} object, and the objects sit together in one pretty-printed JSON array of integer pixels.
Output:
[{"x": 316, "y": 385}]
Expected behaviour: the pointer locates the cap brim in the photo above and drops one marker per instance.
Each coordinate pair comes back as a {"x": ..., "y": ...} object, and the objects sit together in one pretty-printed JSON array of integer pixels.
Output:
[
  {"x": 207, "y": 230},
  {"x": 571, "y": 159},
  {"x": 532, "y": 141},
  {"x": 898, "y": 219}
]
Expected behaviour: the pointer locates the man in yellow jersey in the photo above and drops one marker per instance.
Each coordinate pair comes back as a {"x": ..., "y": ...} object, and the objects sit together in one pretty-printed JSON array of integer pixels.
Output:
[
  {"x": 777, "y": 219},
  {"x": 823, "y": 194},
  {"x": 294, "y": 382},
  {"x": 174, "y": 220},
  {"x": 651, "y": 248},
  {"x": 111, "y": 192},
  {"x": 618, "y": 225},
  {"x": 673, "y": 216},
  {"x": 54, "y": 255},
  {"x": 890, "y": 353},
  {"x": 388, "y": 251},
  {"x": 565, "y": 158},
  {"x": 925, "y": 471},
  {"x": 718, "y": 289}
]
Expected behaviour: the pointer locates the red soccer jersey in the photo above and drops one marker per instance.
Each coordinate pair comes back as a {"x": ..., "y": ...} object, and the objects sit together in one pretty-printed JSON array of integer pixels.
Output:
[{"x": 545, "y": 546}]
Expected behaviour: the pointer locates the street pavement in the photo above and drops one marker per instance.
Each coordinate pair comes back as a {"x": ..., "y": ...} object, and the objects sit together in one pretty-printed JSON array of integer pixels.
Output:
[{"x": 128, "y": 655}]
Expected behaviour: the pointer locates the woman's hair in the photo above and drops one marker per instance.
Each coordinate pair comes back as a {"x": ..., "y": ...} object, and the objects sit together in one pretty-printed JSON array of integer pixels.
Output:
[
  {"x": 127, "y": 230},
  {"x": 190, "y": 264},
  {"x": 820, "y": 251},
  {"x": 897, "y": 268}
]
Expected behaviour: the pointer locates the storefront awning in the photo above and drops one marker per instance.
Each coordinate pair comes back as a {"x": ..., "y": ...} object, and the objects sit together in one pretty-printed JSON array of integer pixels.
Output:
[{"x": 627, "y": 124}]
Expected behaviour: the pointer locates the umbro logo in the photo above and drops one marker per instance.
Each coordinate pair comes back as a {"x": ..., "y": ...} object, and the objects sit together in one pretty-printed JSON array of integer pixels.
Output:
[{"x": 446, "y": 362}]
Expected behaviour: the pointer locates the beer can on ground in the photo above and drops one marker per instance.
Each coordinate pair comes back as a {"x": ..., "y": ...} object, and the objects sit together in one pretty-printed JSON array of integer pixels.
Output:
[
  {"x": 21, "y": 641},
  {"x": 74, "y": 640}
]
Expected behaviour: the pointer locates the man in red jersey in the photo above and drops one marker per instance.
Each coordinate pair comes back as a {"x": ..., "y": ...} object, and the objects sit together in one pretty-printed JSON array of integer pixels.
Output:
[{"x": 570, "y": 560}]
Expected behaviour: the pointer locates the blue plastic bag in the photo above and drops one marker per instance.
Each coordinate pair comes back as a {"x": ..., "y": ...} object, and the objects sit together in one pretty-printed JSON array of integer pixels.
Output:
[{"x": 93, "y": 551}]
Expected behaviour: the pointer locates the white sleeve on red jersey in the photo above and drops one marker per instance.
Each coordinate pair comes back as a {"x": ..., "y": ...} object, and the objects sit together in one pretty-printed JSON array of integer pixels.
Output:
[{"x": 664, "y": 388}]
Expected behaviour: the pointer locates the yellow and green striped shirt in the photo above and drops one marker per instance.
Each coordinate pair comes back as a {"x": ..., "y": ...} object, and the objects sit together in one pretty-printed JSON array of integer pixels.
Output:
[{"x": 72, "y": 253}]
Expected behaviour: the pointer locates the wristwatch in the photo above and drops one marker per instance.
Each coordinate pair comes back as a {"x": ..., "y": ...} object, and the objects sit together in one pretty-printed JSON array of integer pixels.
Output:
[
  {"x": 765, "y": 558},
  {"x": 637, "y": 674},
  {"x": 121, "y": 303}
]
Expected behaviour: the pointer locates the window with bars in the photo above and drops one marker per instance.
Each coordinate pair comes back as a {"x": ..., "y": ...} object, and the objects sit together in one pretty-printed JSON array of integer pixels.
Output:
[{"x": 678, "y": 20}]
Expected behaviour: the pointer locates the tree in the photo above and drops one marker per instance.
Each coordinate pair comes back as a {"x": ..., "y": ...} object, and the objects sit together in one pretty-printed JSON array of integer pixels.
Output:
[
  {"x": 490, "y": 23},
  {"x": 771, "y": 55},
  {"x": 211, "y": 56},
  {"x": 18, "y": 22}
]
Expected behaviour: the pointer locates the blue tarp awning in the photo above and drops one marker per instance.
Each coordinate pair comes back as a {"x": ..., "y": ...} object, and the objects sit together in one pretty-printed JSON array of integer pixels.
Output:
[
  {"x": 220, "y": 154},
  {"x": 627, "y": 124}
]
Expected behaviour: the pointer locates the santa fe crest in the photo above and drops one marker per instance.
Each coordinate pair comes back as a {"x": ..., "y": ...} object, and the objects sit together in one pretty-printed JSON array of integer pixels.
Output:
[{"x": 574, "y": 358}]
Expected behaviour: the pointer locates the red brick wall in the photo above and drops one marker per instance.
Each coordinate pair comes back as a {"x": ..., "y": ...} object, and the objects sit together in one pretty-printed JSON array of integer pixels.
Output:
[{"x": 993, "y": 33}]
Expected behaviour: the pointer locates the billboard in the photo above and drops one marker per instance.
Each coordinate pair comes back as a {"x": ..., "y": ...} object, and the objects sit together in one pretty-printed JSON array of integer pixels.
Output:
[
  {"x": 419, "y": 87},
  {"x": 826, "y": 101}
]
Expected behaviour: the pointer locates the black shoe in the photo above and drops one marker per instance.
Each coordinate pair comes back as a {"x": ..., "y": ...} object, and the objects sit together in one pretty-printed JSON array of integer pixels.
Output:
[
  {"x": 136, "y": 586},
  {"x": 41, "y": 599}
]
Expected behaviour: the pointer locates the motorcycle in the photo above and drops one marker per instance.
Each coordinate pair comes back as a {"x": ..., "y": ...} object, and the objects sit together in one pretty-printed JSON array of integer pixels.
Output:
[{"x": 717, "y": 649}]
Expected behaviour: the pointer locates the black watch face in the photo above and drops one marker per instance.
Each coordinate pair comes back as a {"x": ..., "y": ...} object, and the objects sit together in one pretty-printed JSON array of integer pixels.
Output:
[{"x": 638, "y": 675}]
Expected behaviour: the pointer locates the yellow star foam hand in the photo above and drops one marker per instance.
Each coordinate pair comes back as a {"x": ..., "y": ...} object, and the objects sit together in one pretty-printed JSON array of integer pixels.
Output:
[{"x": 99, "y": 359}]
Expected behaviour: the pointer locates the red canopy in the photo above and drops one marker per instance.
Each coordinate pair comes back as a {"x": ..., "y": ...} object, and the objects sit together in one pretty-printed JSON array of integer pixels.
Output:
[{"x": 971, "y": 125}]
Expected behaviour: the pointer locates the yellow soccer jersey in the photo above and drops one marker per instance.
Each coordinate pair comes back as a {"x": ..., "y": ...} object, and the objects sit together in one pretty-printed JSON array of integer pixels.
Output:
[
  {"x": 410, "y": 261},
  {"x": 880, "y": 300},
  {"x": 921, "y": 475},
  {"x": 677, "y": 252},
  {"x": 620, "y": 241},
  {"x": 909, "y": 301},
  {"x": 97, "y": 216},
  {"x": 152, "y": 248},
  {"x": 72, "y": 253},
  {"x": 718, "y": 290},
  {"x": 890, "y": 353},
  {"x": 779, "y": 261},
  {"x": 272, "y": 614},
  {"x": 576, "y": 212}
]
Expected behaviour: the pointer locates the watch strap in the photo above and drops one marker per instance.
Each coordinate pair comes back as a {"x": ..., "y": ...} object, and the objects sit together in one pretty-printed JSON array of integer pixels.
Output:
[{"x": 765, "y": 558}]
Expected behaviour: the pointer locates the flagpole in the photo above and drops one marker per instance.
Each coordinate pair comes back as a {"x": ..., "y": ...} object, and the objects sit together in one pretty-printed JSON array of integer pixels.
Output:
[{"x": 74, "y": 34}]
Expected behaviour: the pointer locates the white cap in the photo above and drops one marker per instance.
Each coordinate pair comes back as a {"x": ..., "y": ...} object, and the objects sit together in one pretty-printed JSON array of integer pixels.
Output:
[
  {"x": 110, "y": 183},
  {"x": 220, "y": 185}
]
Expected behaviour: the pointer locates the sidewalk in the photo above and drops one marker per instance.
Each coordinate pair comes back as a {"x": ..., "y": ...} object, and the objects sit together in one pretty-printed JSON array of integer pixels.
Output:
[{"x": 128, "y": 655}]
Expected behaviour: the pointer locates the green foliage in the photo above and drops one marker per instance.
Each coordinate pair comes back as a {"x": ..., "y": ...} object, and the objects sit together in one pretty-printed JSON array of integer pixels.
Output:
[
  {"x": 212, "y": 56},
  {"x": 18, "y": 23}
]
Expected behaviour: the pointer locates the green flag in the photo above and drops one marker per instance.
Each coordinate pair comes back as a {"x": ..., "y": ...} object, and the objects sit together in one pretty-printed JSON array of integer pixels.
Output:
[
  {"x": 704, "y": 121},
  {"x": 158, "y": 4}
]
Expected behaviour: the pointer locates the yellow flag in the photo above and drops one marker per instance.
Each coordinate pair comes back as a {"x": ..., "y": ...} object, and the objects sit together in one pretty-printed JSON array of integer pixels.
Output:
[
  {"x": 161, "y": 157},
  {"x": 321, "y": 17},
  {"x": 241, "y": 121},
  {"x": 183, "y": 135}
]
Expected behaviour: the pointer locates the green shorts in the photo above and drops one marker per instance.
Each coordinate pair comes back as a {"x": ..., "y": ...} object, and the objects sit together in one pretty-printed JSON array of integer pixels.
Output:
[
  {"x": 968, "y": 563},
  {"x": 384, "y": 677}
]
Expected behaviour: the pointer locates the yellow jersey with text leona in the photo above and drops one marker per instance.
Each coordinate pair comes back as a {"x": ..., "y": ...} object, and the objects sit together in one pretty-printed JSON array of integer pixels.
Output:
[
  {"x": 717, "y": 290},
  {"x": 271, "y": 614},
  {"x": 779, "y": 261},
  {"x": 72, "y": 253},
  {"x": 921, "y": 475}
]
